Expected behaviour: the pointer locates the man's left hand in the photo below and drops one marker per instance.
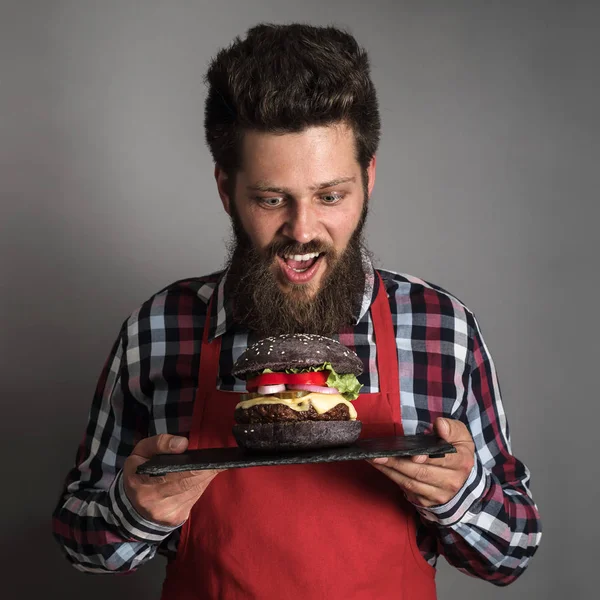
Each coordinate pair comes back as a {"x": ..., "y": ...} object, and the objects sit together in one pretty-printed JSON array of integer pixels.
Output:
[{"x": 433, "y": 481}]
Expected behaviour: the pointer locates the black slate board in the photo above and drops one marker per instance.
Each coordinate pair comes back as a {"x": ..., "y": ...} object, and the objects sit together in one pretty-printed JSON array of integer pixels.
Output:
[{"x": 225, "y": 458}]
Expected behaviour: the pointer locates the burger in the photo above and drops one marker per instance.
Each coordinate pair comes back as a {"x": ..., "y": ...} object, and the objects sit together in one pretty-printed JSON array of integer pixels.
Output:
[{"x": 300, "y": 392}]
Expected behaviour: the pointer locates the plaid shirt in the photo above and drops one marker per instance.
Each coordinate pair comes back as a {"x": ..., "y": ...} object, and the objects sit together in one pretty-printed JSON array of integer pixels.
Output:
[{"x": 490, "y": 529}]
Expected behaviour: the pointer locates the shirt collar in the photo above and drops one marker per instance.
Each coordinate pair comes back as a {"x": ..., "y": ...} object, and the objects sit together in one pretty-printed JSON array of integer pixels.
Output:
[{"x": 221, "y": 317}]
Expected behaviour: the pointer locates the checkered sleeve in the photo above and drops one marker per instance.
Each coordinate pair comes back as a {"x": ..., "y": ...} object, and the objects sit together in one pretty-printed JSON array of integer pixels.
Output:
[
  {"x": 491, "y": 528},
  {"x": 95, "y": 525}
]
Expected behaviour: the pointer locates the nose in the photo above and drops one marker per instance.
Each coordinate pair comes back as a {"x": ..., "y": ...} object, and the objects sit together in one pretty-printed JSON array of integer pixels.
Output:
[{"x": 302, "y": 223}]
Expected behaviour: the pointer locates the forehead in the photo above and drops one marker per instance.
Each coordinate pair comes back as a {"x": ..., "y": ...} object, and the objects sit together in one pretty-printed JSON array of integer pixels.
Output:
[{"x": 319, "y": 153}]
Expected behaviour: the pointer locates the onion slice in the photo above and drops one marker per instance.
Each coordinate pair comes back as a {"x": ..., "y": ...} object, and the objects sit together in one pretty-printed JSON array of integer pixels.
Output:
[
  {"x": 313, "y": 388},
  {"x": 265, "y": 390}
]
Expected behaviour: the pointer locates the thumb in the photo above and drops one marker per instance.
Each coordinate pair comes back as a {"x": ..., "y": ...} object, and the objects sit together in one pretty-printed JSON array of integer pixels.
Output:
[
  {"x": 160, "y": 444},
  {"x": 448, "y": 429}
]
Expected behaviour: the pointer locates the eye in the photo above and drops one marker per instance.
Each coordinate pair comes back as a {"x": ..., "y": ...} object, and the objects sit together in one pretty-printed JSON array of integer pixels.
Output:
[
  {"x": 332, "y": 197},
  {"x": 272, "y": 202}
]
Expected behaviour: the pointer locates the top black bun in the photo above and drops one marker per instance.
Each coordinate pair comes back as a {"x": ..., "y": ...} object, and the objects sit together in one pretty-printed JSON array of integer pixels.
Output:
[{"x": 293, "y": 351}]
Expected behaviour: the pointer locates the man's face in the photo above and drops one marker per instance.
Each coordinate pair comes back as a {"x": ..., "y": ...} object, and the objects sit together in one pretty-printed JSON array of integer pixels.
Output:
[
  {"x": 300, "y": 193},
  {"x": 297, "y": 209}
]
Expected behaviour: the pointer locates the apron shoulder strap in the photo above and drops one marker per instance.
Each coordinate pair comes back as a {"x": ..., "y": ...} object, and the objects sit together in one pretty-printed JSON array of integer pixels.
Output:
[
  {"x": 385, "y": 338},
  {"x": 207, "y": 376}
]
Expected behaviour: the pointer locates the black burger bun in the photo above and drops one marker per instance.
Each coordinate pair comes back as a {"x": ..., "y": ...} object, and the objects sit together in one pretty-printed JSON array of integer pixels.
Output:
[
  {"x": 296, "y": 351},
  {"x": 275, "y": 422},
  {"x": 296, "y": 435}
]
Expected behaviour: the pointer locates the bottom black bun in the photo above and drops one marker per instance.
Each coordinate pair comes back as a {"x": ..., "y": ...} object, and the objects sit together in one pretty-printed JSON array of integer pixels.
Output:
[{"x": 296, "y": 435}]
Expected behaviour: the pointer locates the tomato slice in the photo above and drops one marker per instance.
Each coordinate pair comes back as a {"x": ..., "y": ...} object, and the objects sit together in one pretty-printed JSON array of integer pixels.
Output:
[
  {"x": 266, "y": 379},
  {"x": 314, "y": 378},
  {"x": 311, "y": 378}
]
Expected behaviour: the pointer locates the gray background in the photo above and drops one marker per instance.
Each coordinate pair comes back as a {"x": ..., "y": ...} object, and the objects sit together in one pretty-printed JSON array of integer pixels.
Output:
[{"x": 487, "y": 180}]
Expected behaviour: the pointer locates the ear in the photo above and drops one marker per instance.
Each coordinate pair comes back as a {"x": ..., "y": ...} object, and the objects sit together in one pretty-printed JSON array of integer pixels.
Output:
[
  {"x": 371, "y": 174},
  {"x": 222, "y": 186}
]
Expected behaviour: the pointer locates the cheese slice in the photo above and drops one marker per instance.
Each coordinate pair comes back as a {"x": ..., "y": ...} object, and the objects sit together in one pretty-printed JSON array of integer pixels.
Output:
[{"x": 320, "y": 402}]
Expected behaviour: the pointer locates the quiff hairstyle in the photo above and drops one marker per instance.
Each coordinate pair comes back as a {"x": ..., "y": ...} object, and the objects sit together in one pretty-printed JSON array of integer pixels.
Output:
[{"x": 283, "y": 79}]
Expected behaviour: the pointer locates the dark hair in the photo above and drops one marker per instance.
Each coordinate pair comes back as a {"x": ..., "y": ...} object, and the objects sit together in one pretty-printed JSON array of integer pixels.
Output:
[{"x": 284, "y": 78}]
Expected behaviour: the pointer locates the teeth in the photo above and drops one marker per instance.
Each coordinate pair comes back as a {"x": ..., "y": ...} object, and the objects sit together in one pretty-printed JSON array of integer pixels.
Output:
[{"x": 302, "y": 257}]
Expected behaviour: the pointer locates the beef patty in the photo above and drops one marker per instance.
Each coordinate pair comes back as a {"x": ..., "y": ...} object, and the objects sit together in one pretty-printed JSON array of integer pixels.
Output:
[{"x": 274, "y": 413}]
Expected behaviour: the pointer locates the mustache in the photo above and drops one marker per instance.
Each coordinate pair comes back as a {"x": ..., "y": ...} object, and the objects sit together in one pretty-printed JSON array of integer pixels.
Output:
[
  {"x": 262, "y": 307},
  {"x": 281, "y": 247}
]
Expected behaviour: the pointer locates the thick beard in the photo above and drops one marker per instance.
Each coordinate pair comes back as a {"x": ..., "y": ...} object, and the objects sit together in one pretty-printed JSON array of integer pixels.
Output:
[{"x": 259, "y": 303}]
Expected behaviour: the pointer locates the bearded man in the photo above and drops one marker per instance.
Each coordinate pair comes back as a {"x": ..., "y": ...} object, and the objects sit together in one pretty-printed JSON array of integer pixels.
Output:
[{"x": 293, "y": 125}]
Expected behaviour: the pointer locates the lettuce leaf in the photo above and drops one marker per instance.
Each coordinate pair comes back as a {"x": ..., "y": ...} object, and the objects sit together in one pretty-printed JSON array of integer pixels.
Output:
[{"x": 347, "y": 384}]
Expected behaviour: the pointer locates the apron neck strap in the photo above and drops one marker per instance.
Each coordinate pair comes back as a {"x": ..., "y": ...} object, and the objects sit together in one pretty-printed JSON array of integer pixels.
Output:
[
  {"x": 385, "y": 339},
  {"x": 209, "y": 353},
  {"x": 207, "y": 377}
]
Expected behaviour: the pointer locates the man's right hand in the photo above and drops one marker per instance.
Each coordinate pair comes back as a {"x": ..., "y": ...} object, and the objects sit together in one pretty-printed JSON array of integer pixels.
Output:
[{"x": 166, "y": 500}]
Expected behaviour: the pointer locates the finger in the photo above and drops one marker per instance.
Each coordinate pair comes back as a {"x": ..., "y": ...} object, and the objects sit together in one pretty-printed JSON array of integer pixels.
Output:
[
  {"x": 452, "y": 431},
  {"x": 160, "y": 444},
  {"x": 425, "y": 493},
  {"x": 200, "y": 475},
  {"x": 414, "y": 498},
  {"x": 418, "y": 492},
  {"x": 171, "y": 480},
  {"x": 447, "y": 482},
  {"x": 424, "y": 459},
  {"x": 174, "y": 506},
  {"x": 199, "y": 472},
  {"x": 445, "y": 472},
  {"x": 452, "y": 461},
  {"x": 431, "y": 474},
  {"x": 178, "y": 484}
]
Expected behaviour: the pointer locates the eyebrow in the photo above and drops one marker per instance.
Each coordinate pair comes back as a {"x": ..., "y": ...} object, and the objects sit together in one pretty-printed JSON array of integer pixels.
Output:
[{"x": 265, "y": 186}]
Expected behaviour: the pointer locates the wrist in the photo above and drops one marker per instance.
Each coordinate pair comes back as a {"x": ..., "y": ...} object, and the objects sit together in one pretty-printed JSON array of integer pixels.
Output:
[
  {"x": 453, "y": 511},
  {"x": 132, "y": 520}
]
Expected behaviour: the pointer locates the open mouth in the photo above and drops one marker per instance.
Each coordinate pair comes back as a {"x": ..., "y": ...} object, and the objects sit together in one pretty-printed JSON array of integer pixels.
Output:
[
  {"x": 301, "y": 262},
  {"x": 300, "y": 268}
]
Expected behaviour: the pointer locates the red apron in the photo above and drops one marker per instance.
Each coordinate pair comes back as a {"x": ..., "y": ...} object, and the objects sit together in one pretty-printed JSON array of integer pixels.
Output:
[{"x": 300, "y": 532}]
